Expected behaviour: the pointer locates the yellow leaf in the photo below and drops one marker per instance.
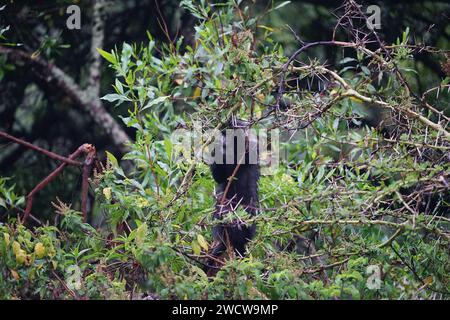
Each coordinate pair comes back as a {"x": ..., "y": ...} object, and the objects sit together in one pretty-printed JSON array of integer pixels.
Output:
[
  {"x": 35, "y": 55},
  {"x": 142, "y": 202},
  {"x": 258, "y": 111},
  {"x": 356, "y": 99},
  {"x": 196, "y": 248},
  {"x": 107, "y": 193},
  {"x": 265, "y": 27},
  {"x": 287, "y": 178},
  {"x": 202, "y": 242},
  {"x": 21, "y": 256},
  {"x": 39, "y": 250},
  {"x": 7, "y": 238},
  {"x": 16, "y": 247},
  {"x": 51, "y": 251},
  {"x": 428, "y": 280},
  {"x": 197, "y": 92},
  {"x": 15, "y": 274}
]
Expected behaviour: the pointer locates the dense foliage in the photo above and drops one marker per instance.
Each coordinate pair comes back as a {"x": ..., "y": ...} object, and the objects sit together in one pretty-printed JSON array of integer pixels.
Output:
[{"x": 351, "y": 201}]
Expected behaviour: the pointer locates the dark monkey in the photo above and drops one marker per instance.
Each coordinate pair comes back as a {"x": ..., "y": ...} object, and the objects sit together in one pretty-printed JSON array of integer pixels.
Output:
[{"x": 237, "y": 175}]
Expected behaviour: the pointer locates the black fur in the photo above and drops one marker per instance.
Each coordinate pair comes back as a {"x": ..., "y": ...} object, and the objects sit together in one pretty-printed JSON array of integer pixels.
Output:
[{"x": 243, "y": 191}]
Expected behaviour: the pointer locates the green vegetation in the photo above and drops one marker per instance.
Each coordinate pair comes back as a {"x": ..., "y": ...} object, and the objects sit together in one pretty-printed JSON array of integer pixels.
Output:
[{"x": 355, "y": 197}]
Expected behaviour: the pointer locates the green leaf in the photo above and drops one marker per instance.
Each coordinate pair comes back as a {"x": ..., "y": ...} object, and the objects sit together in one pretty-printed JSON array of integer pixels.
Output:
[
  {"x": 111, "y": 97},
  {"x": 203, "y": 243},
  {"x": 112, "y": 159},
  {"x": 347, "y": 60},
  {"x": 281, "y": 5},
  {"x": 108, "y": 56},
  {"x": 155, "y": 102}
]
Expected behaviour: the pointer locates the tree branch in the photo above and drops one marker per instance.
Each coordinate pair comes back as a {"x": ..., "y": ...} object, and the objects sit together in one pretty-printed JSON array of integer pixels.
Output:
[
  {"x": 98, "y": 27},
  {"x": 93, "y": 106}
]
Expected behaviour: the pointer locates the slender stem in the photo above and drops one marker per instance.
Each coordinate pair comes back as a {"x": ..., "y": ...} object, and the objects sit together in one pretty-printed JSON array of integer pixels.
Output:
[{"x": 49, "y": 154}]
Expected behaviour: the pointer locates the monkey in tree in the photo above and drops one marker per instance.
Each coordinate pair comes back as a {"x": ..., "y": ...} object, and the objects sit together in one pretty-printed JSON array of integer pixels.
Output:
[{"x": 236, "y": 171}]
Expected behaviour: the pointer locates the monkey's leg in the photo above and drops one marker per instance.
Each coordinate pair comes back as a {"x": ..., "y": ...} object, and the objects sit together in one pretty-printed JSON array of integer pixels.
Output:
[
  {"x": 211, "y": 263},
  {"x": 240, "y": 236}
]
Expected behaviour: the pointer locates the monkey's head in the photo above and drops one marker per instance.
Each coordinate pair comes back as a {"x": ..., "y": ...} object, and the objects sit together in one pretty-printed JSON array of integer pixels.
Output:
[{"x": 237, "y": 145}]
